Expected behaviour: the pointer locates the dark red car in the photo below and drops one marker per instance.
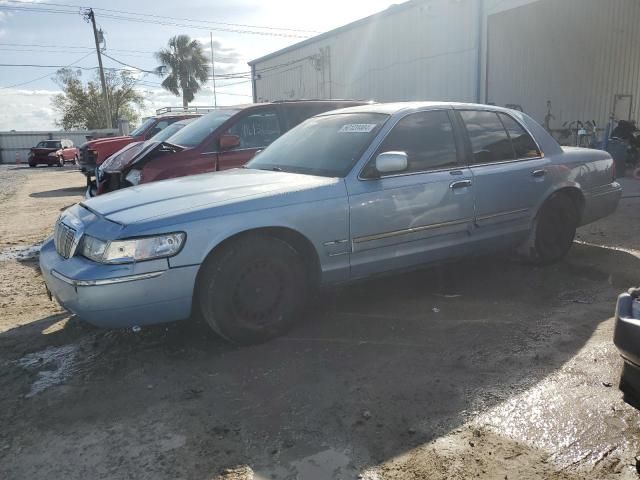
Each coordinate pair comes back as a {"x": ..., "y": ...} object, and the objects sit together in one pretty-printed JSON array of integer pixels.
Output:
[
  {"x": 53, "y": 152},
  {"x": 225, "y": 138},
  {"x": 94, "y": 152}
]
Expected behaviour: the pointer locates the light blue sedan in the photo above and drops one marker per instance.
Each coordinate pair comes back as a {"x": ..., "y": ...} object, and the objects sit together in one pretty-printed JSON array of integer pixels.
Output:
[{"x": 346, "y": 195}]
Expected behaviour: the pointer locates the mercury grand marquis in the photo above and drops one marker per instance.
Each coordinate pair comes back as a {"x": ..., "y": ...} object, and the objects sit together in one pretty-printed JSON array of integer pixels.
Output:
[{"x": 345, "y": 195}]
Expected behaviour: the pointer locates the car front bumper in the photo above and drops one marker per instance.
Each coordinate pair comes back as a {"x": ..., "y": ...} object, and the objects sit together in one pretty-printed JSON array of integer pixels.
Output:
[
  {"x": 114, "y": 296},
  {"x": 626, "y": 337}
]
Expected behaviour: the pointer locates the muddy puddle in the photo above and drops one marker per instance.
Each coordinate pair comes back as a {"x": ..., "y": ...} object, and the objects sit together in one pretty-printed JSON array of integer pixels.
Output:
[
  {"x": 52, "y": 366},
  {"x": 329, "y": 463},
  {"x": 21, "y": 253}
]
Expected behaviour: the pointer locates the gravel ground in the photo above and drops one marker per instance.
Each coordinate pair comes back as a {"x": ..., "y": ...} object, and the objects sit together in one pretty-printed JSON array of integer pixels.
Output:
[{"x": 487, "y": 369}]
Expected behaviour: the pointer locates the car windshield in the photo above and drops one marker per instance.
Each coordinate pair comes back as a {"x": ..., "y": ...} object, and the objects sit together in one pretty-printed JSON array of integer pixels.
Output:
[
  {"x": 49, "y": 144},
  {"x": 165, "y": 133},
  {"x": 193, "y": 134},
  {"x": 144, "y": 127},
  {"x": 326, "y": 146}
]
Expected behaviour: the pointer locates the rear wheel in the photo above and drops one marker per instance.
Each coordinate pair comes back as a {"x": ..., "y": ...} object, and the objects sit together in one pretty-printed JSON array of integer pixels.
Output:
[
  {"x": 253, "y": 289},
  {"x": 553, "y": 231}
]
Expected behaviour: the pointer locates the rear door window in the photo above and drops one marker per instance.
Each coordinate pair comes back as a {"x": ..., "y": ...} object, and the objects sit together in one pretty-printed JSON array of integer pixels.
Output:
[
  {"x": 523, "y": 143},
  {"x": 257, "y": 129},
  {"x": 428, "y": 140},
  {"x": 489, "y": 140}
]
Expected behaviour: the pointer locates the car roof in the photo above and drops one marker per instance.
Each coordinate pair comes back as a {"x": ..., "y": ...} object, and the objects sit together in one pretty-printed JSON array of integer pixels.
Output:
[
  {"x": 399, "y": 107},
  {"x": 243, "y": 106}
]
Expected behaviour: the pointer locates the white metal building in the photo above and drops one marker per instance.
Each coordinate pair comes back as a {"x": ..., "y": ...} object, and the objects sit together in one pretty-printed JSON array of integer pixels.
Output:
[{"x": 560, "y": 60}]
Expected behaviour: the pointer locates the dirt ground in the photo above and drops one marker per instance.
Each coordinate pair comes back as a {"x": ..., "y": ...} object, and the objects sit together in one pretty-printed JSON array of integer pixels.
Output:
[{"x": 487, "y": 368}]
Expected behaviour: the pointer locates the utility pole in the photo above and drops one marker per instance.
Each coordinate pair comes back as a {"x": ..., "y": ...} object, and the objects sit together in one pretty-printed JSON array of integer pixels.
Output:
[
  {"x": 213, "y": 74},
  {"x": 107, "y": 109}
]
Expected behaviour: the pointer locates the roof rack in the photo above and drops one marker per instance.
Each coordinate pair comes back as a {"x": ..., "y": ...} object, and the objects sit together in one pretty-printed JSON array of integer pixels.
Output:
[{"x": 197, "y": 109}]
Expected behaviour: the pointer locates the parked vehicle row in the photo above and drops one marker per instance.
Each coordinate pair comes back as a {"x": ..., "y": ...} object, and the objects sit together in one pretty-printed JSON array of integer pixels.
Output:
[
  {"x": 53, "y": 152},
  {"x": 94, "y": 152},
  {"x": 345, "y": 195},
  {"x": 225, "y": 138}
]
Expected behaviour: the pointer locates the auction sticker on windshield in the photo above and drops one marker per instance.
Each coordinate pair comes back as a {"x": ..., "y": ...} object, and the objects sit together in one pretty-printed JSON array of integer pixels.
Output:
[{"x": 357, "y": 128}]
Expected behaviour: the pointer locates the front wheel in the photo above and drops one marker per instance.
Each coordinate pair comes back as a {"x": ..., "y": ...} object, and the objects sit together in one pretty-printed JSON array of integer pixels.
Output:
[
  {"x": 553, "y": 231},
  {"x": 252, "y": 289}
]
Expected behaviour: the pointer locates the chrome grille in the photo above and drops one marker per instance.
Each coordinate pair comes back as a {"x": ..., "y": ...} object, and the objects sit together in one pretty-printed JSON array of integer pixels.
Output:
[{"x": 64, "y": 239}]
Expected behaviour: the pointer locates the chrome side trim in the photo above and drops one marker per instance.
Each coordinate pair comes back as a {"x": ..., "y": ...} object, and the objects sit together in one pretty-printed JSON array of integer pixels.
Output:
[
  {"x": 335, "y": 242},
  {"x": 502, "y": 214},
  {"x": 432, "y": 226},
  {"x": 503, "y": 162},
  {"x": 104, "y": 281}
]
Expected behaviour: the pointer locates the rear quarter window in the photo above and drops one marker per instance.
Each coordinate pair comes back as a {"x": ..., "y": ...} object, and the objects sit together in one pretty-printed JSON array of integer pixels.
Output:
[{"x": 523, "y": 144}]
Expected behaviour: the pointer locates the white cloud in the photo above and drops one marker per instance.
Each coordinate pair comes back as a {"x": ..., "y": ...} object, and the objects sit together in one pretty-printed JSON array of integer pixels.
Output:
[{"x": 27, "y": 110}]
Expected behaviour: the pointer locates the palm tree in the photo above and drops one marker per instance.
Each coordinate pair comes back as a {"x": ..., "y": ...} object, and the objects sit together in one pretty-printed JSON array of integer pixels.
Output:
[{"x": 187, "y": 65}]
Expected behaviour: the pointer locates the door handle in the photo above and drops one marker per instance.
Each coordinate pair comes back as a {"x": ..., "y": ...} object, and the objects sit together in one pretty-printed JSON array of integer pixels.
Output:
[
  {"x": 538, "y": 173},
  {"x": 460, "y": 184}
]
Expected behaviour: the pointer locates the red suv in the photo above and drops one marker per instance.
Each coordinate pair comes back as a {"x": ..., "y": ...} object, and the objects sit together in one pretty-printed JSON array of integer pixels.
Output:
[
  {"x": 94, "y": 152},
  {"x": 225, "y": 138},
  {"x": 53, "y": 152}
]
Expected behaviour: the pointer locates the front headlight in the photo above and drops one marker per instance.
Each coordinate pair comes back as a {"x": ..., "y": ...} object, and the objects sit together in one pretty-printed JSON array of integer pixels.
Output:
[
  {"x": 133, "y": 177},
  {"x": 93, "y": 248},
  {"x": 132, "y": 250}
]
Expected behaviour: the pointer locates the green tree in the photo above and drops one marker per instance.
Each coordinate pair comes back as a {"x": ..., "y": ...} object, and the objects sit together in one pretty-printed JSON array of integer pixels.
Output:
[
  {"x": 81, "y": 105},
  {"x": 187, "y": 67}
]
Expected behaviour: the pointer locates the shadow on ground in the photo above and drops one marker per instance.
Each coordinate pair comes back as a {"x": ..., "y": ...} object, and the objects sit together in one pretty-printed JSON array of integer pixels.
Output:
[
  {"x": 59, "y": 192},
  {"x": 373, "y": 370}
]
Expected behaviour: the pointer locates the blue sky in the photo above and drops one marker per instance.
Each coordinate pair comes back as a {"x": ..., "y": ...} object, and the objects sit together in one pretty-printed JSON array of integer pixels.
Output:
[{"x": 50, "y": 38}]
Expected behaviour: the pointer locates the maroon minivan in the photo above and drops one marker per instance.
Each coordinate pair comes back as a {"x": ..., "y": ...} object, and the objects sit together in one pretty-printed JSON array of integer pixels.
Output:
[{"x": 226, "y": 138}]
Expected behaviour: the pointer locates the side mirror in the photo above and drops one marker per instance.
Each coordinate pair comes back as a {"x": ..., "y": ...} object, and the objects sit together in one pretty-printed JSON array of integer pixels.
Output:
[
  {"x": 391, "y": 162},
  {"x": 227, "y": 142}
]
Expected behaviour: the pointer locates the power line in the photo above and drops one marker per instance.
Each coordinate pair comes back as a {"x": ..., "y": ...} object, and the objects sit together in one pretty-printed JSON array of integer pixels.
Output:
[
  {"x": 69, "y": 46},
  {"x": 47, "y": 75},
  {"x": 170, "y": 18},
  {"x": 127, "y": 65},
  {"x": 171, "y": 23}
]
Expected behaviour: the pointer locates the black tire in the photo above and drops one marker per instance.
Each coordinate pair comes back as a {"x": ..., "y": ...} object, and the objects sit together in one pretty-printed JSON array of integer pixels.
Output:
[
  {"x": 61, "y": 162},
  {"x": 32, "y": 165},
  {"x": 553, "y": 231},
  {"x": 252, "y": 289}
]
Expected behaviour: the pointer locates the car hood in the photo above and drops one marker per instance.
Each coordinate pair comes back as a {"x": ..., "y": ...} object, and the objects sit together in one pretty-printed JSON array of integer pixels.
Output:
[
  {"x": 108, "y": 140},
  {"x": 122, "y": 157},
  {"x": 225, "y": 189}
]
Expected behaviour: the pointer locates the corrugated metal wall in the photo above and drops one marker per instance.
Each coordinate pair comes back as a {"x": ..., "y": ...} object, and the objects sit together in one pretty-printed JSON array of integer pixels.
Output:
[
  {"x": 12, "y": 143},
  {"x": 581, "y": 55},
  {"x": 578, "y": 54},
  {"x": 425, "y": 52}
]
